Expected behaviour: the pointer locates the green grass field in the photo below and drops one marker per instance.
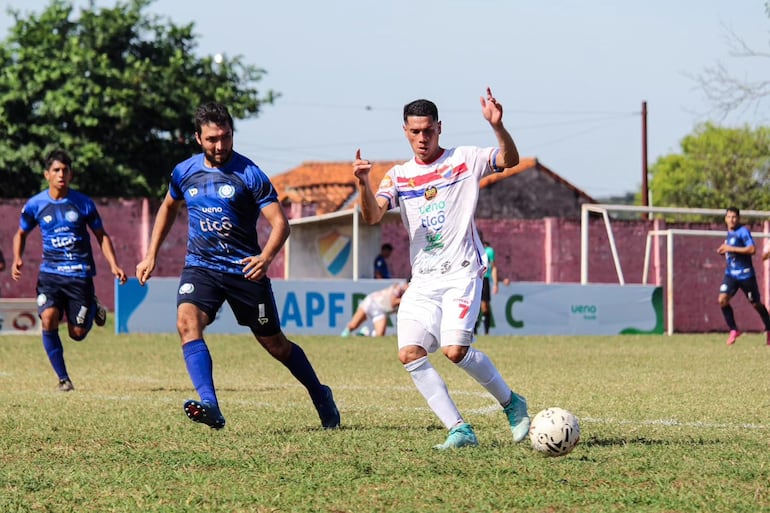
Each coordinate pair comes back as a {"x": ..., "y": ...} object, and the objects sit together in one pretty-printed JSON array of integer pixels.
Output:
[{"x": 669, "y": 424}]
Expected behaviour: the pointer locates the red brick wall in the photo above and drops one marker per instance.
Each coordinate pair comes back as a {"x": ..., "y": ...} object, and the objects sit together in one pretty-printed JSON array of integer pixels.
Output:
[{"x": 527, "y": 250}]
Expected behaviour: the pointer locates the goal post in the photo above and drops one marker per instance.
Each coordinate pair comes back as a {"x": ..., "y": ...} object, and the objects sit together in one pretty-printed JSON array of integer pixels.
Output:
[{"x": 653, "y": 236}]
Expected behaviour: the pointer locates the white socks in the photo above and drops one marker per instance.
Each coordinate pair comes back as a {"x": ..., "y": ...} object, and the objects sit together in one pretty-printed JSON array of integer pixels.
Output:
[
  {"x": 481, "y": 368},
  {"x": 434, "y": 390}
]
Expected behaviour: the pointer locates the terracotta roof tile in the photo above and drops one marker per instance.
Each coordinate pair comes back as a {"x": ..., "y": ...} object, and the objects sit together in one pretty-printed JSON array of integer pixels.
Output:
[{"x": 331, "y": 186}]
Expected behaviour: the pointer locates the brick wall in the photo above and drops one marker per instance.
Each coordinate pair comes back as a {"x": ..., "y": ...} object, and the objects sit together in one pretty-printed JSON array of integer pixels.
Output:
[{"x": 527, "y": 250}]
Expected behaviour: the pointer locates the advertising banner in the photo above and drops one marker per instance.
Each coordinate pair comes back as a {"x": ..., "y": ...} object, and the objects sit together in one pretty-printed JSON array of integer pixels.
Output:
[
  {"x": 18, "y": 316},
  {"x": 323, "y": 307}
]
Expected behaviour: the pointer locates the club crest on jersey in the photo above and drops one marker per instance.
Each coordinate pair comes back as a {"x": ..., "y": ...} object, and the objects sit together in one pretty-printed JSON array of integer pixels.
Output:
[
  {"x": 71, "y": 216},
  {"x": 431, "y": 192},
  {"x": 226, "y": 191},
  {"x": 186, "y": 288}
]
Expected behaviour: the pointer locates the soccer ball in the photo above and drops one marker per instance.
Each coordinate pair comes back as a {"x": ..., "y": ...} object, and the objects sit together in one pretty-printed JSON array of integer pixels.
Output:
[{"x": 554, "y": 432}]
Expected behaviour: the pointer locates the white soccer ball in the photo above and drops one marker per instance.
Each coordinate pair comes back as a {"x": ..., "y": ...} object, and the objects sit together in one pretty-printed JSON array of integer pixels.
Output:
[{"x": 554, "y": 432}]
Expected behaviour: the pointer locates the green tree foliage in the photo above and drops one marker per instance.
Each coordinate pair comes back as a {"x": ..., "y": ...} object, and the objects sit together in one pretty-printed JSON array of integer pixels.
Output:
[
  {"x": 718, "y": 167},
  {"x": 115, "y": 87}
]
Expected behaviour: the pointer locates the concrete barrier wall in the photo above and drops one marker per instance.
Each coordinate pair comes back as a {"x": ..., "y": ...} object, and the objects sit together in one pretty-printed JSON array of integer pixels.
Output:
[{"x": 543, "y": 250}]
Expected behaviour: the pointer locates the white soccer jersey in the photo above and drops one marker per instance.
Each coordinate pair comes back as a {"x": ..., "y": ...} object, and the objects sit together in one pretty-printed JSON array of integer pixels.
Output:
[{"x": 438, "y": 202}]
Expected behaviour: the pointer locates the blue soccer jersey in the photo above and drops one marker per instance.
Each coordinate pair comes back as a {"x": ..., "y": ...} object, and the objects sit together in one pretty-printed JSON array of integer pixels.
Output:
[
  {"x": 63, "y": 226},
  {"x": 223, "y": 207},
  {"x": 739, "y": 266}
]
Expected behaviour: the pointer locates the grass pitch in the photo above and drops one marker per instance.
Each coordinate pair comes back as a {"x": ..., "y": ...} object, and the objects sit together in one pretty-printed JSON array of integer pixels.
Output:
[{"x": 668, "y": 424}]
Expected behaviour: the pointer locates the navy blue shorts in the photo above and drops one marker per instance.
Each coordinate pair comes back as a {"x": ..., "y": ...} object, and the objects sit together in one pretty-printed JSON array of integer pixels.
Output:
[
  {"x": 749, "y": 287},
  {"x": 70, "y": 295},
  {"x": 486, "y": 293},
  {"x": 252, "y": 302}
]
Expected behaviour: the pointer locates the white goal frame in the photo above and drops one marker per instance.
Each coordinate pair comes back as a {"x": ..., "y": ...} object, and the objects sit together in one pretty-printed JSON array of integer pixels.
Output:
[{"x": 653, "y": 240}]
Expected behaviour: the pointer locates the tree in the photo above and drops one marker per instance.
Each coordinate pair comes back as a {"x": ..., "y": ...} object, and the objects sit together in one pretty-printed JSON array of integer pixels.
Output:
[
  {"x": 115, "y": 87},
  {"x": 718, "y": 167},
  {"x": 727, "y": 92}
]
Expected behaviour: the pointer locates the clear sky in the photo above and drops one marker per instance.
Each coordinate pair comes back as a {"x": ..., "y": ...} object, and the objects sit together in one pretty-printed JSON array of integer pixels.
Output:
[{"x": 570, "y": 75}]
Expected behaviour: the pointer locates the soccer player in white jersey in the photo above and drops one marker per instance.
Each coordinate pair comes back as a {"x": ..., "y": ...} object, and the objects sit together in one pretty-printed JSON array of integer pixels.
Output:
[
  {"x": 437, "y": 191},
  {"x": 377, "y": 307}
]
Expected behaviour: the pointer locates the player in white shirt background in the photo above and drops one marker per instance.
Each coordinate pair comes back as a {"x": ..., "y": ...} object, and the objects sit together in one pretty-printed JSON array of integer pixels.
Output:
[{"x": 376, "y": 307}]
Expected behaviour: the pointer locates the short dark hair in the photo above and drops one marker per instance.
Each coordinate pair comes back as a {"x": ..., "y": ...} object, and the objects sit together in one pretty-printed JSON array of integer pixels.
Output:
[
  {"x": 58, "y": 155},
  {"x": 212, "y": 112},
  {"x": 734, "y": 210},
  {"x": 421, "y": 108},
  {"x": 386, "y": 247}
]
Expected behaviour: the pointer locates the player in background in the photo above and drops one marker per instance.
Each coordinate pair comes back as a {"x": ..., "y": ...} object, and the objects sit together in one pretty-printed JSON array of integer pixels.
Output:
[
  {"x": 2, "y": 266},
  {"x": 225, "y": 193},
  {"x": 738, "y": 249},
  {"x": 489, "y": 285},
  {"x": 65, "y": 283},
  {"x": 381, "y": 271},
  {"x": 377, "y": 307},
  {"x": 437, "y": 191}
]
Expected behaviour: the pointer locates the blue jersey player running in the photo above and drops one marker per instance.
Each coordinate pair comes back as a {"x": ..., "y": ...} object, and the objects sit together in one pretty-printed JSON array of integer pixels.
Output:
[
  {"x": 65, "y": 281},
  {"x": 738, "y": 250},
  {"x": 225, "y": 194}
]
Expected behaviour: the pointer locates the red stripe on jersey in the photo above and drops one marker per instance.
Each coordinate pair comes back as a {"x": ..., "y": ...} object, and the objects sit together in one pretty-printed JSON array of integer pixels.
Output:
[{"x": 445, "y": 171}]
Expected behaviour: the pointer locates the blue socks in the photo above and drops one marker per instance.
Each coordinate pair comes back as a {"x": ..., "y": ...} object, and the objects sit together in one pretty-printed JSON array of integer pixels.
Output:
[
  {"x": 200, "y": 368},
  {"x": 55, "y": 352},
  {"x": 300, "y": 368}
]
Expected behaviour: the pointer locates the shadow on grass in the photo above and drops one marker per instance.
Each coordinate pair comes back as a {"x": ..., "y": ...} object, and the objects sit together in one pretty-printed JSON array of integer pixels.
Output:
[{"x": 595, "y": 441}]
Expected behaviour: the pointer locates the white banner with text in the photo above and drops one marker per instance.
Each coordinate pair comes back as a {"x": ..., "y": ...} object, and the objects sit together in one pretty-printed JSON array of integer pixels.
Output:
[{"x": 324, "y": 307}]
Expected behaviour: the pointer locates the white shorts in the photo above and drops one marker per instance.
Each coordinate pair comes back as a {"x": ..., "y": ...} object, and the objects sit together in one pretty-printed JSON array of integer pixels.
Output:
[
  {"x": 372, "y": 309},
  {"x": 439, "y": 314}
]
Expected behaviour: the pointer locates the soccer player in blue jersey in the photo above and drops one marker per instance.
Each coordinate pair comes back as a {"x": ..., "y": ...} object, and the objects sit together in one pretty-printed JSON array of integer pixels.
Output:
[
  {"x": 225, "y": 194},
  {"x": 381, "y": 271},
  {"x": 738, "y": 249},
  {"x": 65, "y": 280}
]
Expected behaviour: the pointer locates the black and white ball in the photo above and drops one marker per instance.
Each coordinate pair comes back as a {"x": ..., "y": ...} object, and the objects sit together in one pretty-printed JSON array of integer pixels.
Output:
[{"x": 554, "y": 432}]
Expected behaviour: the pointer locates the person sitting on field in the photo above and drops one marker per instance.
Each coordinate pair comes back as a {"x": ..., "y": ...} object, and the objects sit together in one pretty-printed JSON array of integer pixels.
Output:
[{"x": 377, "y": 306}]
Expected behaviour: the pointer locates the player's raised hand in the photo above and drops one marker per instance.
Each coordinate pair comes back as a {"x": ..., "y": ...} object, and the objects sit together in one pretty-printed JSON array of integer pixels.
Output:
[
  {"x": 491, "y": 109},
  {"x": 361, "y": 167}
]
